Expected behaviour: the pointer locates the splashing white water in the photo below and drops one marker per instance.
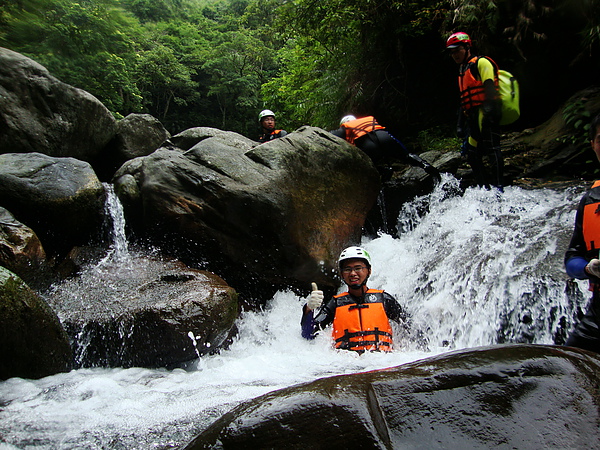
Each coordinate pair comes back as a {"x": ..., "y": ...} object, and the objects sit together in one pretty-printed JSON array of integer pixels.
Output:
[
  {"x": 477, "y": 269},
  {"x": 119, "y": 248}
]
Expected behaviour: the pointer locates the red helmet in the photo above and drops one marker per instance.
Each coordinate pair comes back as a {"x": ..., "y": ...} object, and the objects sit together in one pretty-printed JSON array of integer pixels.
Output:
[{"x": 457, "y": 39}]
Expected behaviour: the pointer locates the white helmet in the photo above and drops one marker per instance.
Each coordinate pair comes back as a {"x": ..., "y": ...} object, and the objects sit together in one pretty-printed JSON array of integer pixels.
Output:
[
  {"x": 347, "y": 119},
  {"x": 354, "y": 252},
  {"x": 264, "y": 113}
]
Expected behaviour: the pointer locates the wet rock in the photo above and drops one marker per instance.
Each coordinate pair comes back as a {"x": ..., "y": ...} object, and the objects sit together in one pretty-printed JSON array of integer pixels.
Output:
[
  {"x": 513, "y": 396},
  {"x": 140, "y": 311},
  {"x": 39, "y": 113},
  {"x": 21, "y": 251},
  {"x": 33, "y": 344},
  {"x": 136, "y": 135},
  {"x": 275, "y": 214},
  {"x": 60, "y": 199}
]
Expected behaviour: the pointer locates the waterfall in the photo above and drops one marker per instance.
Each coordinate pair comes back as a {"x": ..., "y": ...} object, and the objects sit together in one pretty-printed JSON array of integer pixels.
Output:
[
  {"x": 473, "y": 269},
  {"x": 115, "y": 218}
]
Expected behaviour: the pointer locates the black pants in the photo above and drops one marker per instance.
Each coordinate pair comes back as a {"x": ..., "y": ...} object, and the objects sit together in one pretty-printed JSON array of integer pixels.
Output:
[
  {"x": 488, "y": 144},
  {"x": 382, "y": 147},
  {"x": 586, "y": 334}
]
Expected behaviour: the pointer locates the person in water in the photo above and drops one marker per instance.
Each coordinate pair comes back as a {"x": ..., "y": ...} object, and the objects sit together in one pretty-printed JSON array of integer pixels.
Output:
[
  {"x": 582, "y": 259},
  {"x": 266, "y": 120},
  {"x": 373, "y": 139},
  {"x": 361, "y": 316},
  {"x": 480, "y": 110}
]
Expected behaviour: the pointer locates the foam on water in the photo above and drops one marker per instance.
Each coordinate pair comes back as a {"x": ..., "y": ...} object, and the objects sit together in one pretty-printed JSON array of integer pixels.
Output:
[{"x": 467, "y": 272}]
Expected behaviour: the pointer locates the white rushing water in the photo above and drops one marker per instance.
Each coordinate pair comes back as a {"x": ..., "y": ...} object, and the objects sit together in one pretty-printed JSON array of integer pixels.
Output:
[{"x": 477, "y": 269}]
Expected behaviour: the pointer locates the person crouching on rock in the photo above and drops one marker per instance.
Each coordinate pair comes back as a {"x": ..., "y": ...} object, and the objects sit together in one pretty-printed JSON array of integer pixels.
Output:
[{"x": 361, "y": 315}]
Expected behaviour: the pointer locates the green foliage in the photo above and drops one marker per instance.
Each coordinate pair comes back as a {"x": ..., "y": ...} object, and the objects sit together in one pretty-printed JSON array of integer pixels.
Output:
[
  {"x": 218, "y": 62},
  {"x": 83, "y": 44},
  {"x": 437, "y": 139},
  {"x": 578, "y": 118}
]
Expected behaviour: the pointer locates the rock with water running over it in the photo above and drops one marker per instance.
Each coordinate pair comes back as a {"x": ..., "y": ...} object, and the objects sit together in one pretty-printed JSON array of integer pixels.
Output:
[
  {"x": 60, "y": 199},
  {"x": 33, "y": 343},
  {"x": 513, "y": 396},
  {"x": 145, "y": 312},
  {"x": 275, "y": 214}
]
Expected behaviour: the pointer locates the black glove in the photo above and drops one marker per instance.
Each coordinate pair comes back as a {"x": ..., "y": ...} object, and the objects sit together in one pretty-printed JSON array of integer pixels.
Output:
[{"x": 428, "y": 168}]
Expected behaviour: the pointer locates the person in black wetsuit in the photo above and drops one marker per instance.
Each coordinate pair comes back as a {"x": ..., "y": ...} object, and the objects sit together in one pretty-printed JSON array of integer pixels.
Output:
[
  {"x": 582, "y": 257},
  {"x": 360, "y": 316},
  {"x": 373, "y": 139}
]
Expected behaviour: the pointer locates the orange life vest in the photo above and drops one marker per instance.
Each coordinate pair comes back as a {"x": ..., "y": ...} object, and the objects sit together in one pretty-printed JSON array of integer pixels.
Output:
[
  {"x": 591, "y": 219},
  {"x": 362, "y": 326},
  {"x": 270, "y": 136},
  {"x": 470, "y": 85},
  {"x": 359, "y": 127}
]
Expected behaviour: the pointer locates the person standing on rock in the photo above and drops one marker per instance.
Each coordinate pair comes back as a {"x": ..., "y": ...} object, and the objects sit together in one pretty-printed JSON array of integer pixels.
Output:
[
  {"x": 373, "y": 139},
  {"x": 361, "y": 316},
  {"x": 266, "y": 119},
  {"x": 582, "y": 257},
  {"x": 480, "y": 111}
]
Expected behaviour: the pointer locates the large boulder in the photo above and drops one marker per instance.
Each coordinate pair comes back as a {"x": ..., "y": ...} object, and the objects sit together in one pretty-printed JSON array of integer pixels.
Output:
[
  {"x": 513, "y": 396},
  {"x": 33, "y": 343},
  {"x": 60, "y": 199},
  {"x": 141, "y": 311},
  {"x": 277, "y": 213},
  {"x": 136, "y": 135},
  {"x": 39, "y": 113}
]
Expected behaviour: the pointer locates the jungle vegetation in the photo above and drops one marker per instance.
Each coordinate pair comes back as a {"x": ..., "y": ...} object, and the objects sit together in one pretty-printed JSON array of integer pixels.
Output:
[{"x": 217, "y": 63}]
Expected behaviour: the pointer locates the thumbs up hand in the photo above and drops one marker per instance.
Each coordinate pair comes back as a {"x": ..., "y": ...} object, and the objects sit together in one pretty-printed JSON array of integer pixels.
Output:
[
  {"x": 593, "y": 268},
  {"x": 316, "y": 298}
]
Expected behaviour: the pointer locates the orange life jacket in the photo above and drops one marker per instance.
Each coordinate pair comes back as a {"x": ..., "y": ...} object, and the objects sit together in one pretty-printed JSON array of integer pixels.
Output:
[
  {"x": 269, "y": 136},
  {"x": 470, "y": 85},
  {"x": 591, "y": 219},
  {"x": 362, "y": 326},
  {"x": 359, "y": 127}
]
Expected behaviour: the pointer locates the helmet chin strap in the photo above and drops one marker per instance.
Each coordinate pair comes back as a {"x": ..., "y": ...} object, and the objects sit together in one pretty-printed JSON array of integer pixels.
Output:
[{"x": 361, "y": 285}]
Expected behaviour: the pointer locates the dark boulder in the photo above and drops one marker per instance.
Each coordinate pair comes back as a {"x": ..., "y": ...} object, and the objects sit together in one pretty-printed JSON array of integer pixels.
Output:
[
  {"x": 39, "y": 113},
  {"x": 140, "y": 311},
  {"x": 277, "y": 213},
  {"x": 33, "y": 344},
  {"x": 136, "y": 135},
  {"x": 21, "y": 251},
  {"x": 513, "y": 396},
  {"x": 60, "y": 199}
]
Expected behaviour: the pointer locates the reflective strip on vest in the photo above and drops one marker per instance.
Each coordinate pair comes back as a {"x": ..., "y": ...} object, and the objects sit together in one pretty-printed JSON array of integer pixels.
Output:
[
  {"x": 359, "y": 127},
  {"x": 591, "y": 223},
  {"x": 362, "y": 327}
]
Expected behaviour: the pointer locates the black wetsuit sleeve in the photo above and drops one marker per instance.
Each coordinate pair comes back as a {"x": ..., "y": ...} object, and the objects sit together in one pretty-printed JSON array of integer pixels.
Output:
[
  {"x": 340, "y": 132},
  {"x": 393, "y": 309}
]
